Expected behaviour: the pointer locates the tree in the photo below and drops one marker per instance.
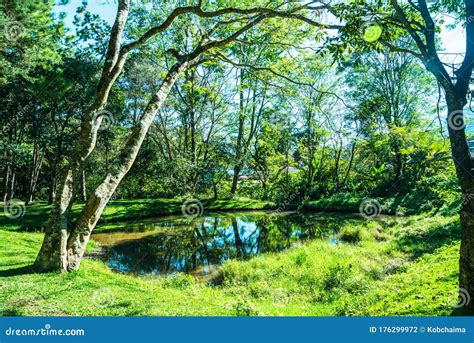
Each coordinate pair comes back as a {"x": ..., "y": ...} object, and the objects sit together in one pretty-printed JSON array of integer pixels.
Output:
[
  {"x": 29, "y": 48},
  {"x": 410, "y": 27},
  {"x": 63, "y": 248},
  {"x": 391, "y": 91},
  {"x": 28, "y": 40}
]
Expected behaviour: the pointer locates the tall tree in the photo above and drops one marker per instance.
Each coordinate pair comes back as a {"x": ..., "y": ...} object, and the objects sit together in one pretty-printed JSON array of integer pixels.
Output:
[
  {"x": 63, "y": 248},
  {"x": 412, "y": 27}
]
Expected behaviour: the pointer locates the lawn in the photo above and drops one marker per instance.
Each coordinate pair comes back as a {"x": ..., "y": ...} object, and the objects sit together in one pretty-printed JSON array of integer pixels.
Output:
[{"x": 396, "y": 266}]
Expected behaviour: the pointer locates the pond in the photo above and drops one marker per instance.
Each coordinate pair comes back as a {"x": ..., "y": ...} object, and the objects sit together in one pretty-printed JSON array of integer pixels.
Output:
[{"x": 198, "y": 246}]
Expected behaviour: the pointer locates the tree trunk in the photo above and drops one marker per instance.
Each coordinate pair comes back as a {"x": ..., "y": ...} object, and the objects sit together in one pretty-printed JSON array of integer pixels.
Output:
[
  {"x": 83, "y": 186},
  {"x": 6, "y": 183},
  {"x": 79, "y": 237},
  {"x": 235, "y": 179},
  {"x": 239, "y": 245},
  {"x": 10, "y": 191},
  {"x": 240, "y": 137},
  {"x": 463, "y": 164},
  {"x": 52, "y": 190},
  {"x": 35, "y": 169},
  {"x": 466, "y": 258},
  {"x": 53, "y": 255}
]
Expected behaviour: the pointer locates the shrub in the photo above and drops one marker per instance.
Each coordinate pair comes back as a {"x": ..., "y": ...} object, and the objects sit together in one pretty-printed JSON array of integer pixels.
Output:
[{"x": 350, "y": 234}]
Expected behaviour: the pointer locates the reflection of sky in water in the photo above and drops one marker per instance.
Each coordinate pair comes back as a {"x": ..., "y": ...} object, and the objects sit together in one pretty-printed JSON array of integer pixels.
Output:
[{"x": 199, "y": 246}]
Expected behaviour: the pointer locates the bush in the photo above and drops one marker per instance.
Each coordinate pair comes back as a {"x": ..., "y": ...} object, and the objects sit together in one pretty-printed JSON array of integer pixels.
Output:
[
  {"x": 335, "y": 276},
  {"x": 350, "y": 234}
]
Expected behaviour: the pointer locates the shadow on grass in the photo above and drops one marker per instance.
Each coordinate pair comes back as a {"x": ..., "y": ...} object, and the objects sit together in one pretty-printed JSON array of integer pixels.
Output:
[
  {"x": 11, "y": 312},
  {"x": 428, "y": 241},
  {"x": 17, "y": 271}
]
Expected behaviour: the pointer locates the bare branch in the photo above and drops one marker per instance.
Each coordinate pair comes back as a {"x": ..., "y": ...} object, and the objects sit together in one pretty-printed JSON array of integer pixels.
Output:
[
  {"x": 116, "y": 35},
  {"x": 465, "y": 71},
  {"x": 408, "y": 27},
  {"x": 271, "y": 71},
  {"x": 393, "y": 47}
]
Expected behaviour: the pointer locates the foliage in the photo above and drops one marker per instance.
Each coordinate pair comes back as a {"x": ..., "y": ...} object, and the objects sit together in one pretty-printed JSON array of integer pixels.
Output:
[{"x": 29, "y": 39}]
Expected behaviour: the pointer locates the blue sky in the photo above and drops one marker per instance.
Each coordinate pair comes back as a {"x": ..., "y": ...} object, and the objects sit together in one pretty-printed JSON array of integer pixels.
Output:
[{"x": 453, "y": 40}]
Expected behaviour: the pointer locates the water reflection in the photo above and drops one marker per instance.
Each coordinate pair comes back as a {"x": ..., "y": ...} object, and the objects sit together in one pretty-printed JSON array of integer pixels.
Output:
[{"x": 199, "y": 246}]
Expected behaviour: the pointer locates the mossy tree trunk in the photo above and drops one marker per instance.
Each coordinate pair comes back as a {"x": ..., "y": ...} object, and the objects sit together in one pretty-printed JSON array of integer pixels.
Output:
[
  {"x": 81, "y": 232},
  {"x": 52, "y": 255}
]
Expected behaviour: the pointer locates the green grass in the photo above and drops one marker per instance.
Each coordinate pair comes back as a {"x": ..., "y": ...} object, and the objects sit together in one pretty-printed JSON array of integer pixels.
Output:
[
  {"x": 36, "y": 214},
  {"x": 402, "y": 204},
  {"x": 399, "y": 266}
]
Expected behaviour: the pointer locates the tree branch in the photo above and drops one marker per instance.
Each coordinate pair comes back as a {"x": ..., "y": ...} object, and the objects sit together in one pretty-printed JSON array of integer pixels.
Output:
[
  {"x": 197, "y": 10},
  {"x": 465, "y": 71},
  {"x": 270, "y": 70}
]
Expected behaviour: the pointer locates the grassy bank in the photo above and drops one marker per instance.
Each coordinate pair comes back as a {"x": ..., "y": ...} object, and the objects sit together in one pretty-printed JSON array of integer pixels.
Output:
[
  {"x": 394, "y": 266},
  {"x": 446, "y": 203},
  {"x": 36, "y": 214}
]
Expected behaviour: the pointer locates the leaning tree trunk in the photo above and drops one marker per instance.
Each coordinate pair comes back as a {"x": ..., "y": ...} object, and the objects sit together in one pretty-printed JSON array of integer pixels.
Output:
[
  {"x": 11, "y": 186},
  {"x": 97, "y": 201},
  {"x": 53, "y": 255},
  {"x": 83, "y": 186}
]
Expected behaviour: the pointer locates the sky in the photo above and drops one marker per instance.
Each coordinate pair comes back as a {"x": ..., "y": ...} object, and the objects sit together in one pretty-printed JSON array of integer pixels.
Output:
[{"x": 453, "y": 41}]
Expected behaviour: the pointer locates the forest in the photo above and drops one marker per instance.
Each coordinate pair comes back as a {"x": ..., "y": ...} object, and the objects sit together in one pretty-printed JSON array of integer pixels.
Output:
[{"x": 236, "y": 157}]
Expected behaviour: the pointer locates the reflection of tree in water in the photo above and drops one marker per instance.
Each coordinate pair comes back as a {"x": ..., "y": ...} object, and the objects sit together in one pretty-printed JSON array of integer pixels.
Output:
[{"x": 210, "y": 240}]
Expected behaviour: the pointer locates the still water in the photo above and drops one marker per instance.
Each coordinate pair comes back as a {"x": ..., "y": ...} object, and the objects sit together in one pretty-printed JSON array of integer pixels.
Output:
[{"x": 198, "y": 246}]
